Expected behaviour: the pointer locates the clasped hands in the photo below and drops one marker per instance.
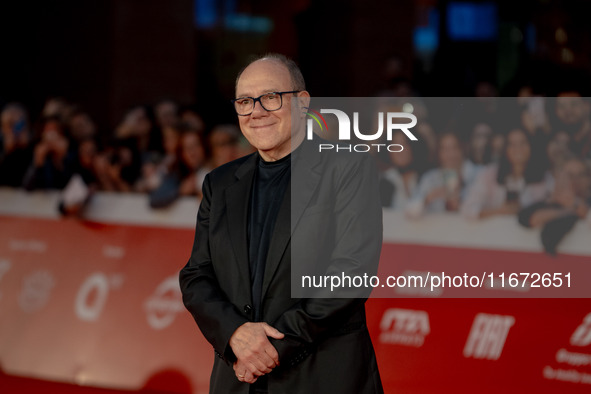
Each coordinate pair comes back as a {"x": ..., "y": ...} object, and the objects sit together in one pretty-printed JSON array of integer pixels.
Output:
[{"x": 255, "y": 355}]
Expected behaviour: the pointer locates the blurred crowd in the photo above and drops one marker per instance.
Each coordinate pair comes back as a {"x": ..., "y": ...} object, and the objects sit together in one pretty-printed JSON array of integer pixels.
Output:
[
  {"x": 163, "y": 150},
  {"x": 527, "y": 156}
]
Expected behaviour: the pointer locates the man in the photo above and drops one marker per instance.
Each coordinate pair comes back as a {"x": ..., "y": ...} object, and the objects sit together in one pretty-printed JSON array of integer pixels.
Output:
[
  {"x": 573, "y": 112},
  {"x": 570, "y": 202},
  {"x": 255, "y": 212}
]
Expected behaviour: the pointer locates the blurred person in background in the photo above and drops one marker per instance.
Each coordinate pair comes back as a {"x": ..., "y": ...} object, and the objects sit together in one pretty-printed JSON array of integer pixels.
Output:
[
  {"x": 573, "y": 113},
  {"x": 80, "y": 125},
  {"x": 84, "y": 180},
  {"x": 480, "y": 144},
  {"x": 558, "y": 149},
  {"x": 15, "y": 148},
  {"x": 533, "y": 116},
  {"x": 55, "y": 107},
  {"x": 189, "y": 116},
  {"x": 155, "y": 166},
  {"x": 186, "y": 176},
  {"x": 118, "y": 168},
  {"x": 486, "y": 90},
  {"x": 443, "y": 188},
  {"x": 395, "y": 82},
  {"x": 497, "y": 144},
  {"x": 51, "y": 163},
  {"x": 426, "y": 134},
  {"x": 570, "y": 202},
  {"x": 519, "y": 179},
  {"x": 166, "y": 113},
  {"x": 138, "y": 128},
  {"x": 84, "y": 163},
  {"x": 534, "y": 121},
  {"x": 399, "y": 181},
  {"x": 487, "y": 104},
  {"x": 224, "y": 144},
  {"x": 166, "y": 116},
  {"x": 192, "y": 163}
]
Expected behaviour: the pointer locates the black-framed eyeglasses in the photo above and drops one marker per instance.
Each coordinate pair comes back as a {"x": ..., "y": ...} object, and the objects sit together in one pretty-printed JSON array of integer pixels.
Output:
[{"x": 271, "y": 101}]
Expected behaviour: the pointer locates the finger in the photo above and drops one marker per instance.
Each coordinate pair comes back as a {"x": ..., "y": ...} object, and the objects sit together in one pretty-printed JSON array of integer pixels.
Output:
[
  {"x": 256, "y": 367},
  {"x": 260, "y": 362},
  {"x": 261, "y": 365},
  {"x": 273, "y": 355},
  {"x": 255, "y": 363},
  {"x": 242, "y": 375},
  {"x": 249, "y": 378},
  {"x": 241, "y": 368},
  {"x": 272, "y": 332}
]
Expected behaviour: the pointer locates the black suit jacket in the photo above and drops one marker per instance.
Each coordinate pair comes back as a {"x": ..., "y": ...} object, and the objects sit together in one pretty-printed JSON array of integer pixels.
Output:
[{"x": 330, "y": 219}]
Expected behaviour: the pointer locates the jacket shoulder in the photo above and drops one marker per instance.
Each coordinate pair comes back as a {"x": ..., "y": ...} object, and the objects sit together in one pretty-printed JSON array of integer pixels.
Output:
[{"x": 226, "y": 172}]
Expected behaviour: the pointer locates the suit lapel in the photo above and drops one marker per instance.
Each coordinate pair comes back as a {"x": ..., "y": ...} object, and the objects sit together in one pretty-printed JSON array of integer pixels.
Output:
[
  {"x": 237, "y": 201},
  {"x": 305, "y": 177}
]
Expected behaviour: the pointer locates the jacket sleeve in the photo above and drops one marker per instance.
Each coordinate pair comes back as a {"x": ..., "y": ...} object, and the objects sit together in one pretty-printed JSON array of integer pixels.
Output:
[
  {"x": 216, "y": 317},
  {"x": 356, "y": 219}
]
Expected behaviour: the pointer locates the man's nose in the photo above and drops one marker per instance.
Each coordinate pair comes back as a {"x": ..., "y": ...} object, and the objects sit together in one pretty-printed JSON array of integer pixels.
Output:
[{"x": 258, "y": 109}]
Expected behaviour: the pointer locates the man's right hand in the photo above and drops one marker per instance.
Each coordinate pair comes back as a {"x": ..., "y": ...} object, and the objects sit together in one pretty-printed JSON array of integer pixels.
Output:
[{"x": 254, "y": 353}]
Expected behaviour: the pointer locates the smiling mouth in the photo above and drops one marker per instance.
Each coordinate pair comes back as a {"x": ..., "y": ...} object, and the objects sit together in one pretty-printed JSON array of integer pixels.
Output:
[{"x": 262, "y": 126}]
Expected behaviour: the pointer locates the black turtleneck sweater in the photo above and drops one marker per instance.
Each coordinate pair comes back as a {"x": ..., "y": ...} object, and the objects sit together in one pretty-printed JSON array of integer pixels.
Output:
[{"x": 269, "y": 186}]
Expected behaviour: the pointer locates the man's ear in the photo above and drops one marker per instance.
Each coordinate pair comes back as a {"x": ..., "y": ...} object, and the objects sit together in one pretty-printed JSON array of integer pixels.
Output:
[{"x": 303, "y": 100}]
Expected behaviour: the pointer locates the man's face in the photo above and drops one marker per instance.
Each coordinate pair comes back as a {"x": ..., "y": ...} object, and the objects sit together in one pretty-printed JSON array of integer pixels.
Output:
[
  {"x": 192, "y": 151},
  {"x": 269, "y": 132},
  {"x": 166, "y": 113},
  {"x": 450, "y": 152},
  {"x": 578, "y": 175},
  {"x": 571, "y": 109},
  {"x": 518, "y": 149}
]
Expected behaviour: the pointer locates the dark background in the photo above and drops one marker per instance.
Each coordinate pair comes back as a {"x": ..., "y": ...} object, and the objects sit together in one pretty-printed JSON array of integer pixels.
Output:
[{"x": 110, "y": 55}]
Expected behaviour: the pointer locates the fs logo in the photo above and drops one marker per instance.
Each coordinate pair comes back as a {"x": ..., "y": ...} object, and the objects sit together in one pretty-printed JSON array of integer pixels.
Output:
[
  {"x": 582, "y": 335},
  {"x": 404, "y": 327},
  {"x": 164, "y": 304},
  {"x": 385, "y": 122},
  {"x": 487, "y": 336}
]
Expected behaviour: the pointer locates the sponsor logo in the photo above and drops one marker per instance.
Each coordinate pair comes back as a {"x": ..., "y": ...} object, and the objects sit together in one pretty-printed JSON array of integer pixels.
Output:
[
  {"x": 28, "y": 245},
  {"x": 317, "y": 117},
  {"x": 487, "y": 336},
  {"x": 582, "y": 334},
  {"x": 166, "y": 302},
  {"x": 573, "y": 359},
  {"x": 404, "y": 327},
  {"x": 566, "y": 375},
  {"x": 113, "y": 252},
  {"x": 36, "y": 291},
  {"x": 93, "y": 294}
]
